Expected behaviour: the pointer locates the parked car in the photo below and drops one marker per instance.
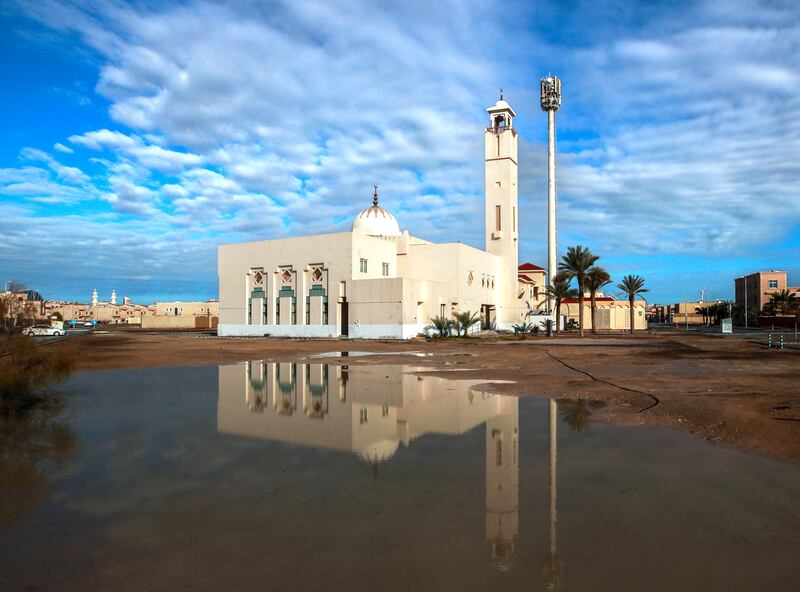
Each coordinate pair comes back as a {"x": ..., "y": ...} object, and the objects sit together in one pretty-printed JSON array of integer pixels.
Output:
[
  {"x": 43, "y": 330},
  {"x": 88, "y": 324}
]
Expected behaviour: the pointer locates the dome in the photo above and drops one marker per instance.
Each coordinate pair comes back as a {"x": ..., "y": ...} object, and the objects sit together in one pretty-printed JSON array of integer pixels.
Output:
[
  {"x": 379, "y": 451},
  {"x": 376, "y": 221}
]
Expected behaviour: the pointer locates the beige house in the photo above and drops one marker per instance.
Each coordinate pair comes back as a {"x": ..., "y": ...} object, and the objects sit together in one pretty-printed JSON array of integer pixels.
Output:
[
  {"x": 531, "y": 285},
  {"x": 611, "y": 314},
  {"x": 371, "y": 411},
  {"x": 378, "y": 281},
  {"x": 755, "y": 290},
  {"x": 183, "y": 315}
]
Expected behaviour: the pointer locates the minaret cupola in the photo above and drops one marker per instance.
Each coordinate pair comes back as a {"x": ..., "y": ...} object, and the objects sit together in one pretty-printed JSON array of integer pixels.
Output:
[{"x": 501, "y": 115}]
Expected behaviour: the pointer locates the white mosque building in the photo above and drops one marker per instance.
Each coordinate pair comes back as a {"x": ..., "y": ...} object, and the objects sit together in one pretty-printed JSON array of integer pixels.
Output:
[{"x": 376, "y": 281}]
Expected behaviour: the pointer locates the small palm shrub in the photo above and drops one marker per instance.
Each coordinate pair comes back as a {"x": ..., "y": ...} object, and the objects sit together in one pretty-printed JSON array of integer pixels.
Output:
[
  {"x": 465, "y": 320},
  {"x": 441, "y": 325}
]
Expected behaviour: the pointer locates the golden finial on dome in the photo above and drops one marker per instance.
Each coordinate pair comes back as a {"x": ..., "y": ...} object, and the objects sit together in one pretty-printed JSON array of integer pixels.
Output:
[{"x": 375, "y": 196}]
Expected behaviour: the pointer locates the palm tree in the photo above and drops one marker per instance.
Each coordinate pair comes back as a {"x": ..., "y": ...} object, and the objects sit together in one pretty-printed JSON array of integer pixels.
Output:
[
  {"x": 576, "y": 264},
  {"x": 783, "y": 302},
  {"x": 465, "y": 320},
  {"x": 596, "y": 279},
  {"x": 557, "y": 291},
  {"x": 441, "y": 325},
  {"x": 632, "y": 285}
]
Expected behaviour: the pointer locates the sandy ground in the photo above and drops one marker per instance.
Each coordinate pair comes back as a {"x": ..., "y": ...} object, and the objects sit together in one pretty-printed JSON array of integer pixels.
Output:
[{"x": 730, "y": 390}]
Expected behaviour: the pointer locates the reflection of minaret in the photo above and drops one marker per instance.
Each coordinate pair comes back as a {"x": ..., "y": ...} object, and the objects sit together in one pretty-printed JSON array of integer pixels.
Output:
[
  {"x": 502, "y": 484},
  {"x": 552, "y": 566}
]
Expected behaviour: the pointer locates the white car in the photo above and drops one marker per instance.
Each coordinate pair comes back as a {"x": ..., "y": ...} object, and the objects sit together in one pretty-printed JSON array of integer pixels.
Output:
[{"x": 43, "y": 330}]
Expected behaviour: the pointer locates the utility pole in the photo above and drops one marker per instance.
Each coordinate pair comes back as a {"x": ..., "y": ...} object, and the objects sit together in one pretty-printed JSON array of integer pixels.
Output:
[
  {"x": 550, "y": 101},
  {"x": 746, "y": 312}
]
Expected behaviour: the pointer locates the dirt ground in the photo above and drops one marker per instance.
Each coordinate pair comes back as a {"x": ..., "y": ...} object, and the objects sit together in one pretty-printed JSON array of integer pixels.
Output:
[{"x": 729, "y": 390}]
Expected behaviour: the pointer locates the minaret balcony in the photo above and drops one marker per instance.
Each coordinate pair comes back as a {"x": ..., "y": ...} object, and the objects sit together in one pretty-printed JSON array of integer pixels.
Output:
[{"x": 500, "y": 129}]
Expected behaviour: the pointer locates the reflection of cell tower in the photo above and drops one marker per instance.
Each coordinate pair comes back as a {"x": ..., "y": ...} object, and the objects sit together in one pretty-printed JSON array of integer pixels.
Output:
[
  {"x": 551, "y": 568},
  {"x": 550, "y": 101},
  {"x": 502, "y": 484}
]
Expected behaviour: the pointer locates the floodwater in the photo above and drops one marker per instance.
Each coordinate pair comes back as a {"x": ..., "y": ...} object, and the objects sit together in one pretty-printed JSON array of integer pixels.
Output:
[{"x": 293, "y": 476}]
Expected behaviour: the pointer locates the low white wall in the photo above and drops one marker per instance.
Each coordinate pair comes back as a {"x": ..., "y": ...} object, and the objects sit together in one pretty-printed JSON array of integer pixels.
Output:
[
  {"x": 230, "y": 330},
  {"x": 359, "y": 331},
  {"x": 392, "y": 331}
]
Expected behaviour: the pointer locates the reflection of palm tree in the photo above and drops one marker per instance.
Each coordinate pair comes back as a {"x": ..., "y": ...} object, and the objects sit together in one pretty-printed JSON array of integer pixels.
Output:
[
  {"x": 551, "y": 567},
  {"x": 577, "y": 413}
]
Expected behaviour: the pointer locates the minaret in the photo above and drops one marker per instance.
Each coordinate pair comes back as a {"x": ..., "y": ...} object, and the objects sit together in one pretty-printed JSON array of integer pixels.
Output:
[
  {"x": 501, "y": 205},
  {"x": 94, "y": 297},
  {"x": 113, "y": 296},
  {"x": 550, "y": 102}
]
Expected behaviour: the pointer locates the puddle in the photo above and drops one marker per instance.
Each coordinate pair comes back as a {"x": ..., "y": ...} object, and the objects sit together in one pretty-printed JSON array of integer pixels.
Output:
[
  {"x": 300, "y": 476},
  {"x": 356, "y": 354}
]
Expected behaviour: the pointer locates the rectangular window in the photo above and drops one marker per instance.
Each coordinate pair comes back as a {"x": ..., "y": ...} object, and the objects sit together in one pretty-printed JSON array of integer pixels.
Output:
[
  {"x": 773, "y": 283},
  {"x": 497, "y": 226},
  {"x": 441, "y": 310},
  {"x": 363, "y": 264},
  {"x": 362, "y": 415},
  {"x": 385, "y": 270}
]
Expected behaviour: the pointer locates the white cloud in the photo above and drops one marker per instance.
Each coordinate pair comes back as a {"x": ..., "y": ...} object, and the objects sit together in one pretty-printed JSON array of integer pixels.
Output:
[
  {"x": 62, "y": 148},
  {"x": 68, "y": 174}
]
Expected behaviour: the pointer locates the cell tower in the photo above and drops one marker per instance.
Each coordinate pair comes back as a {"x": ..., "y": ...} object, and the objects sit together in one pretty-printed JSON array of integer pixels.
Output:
[{"x": 550, "y": 101}]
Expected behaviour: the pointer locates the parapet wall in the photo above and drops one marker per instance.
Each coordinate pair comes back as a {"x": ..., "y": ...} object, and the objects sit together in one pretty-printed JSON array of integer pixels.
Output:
[{"x": 179, "y": 322}]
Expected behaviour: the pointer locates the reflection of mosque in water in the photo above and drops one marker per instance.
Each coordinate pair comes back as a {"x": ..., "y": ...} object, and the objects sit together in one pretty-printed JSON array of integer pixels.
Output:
[{"x": 370, "y": 410}]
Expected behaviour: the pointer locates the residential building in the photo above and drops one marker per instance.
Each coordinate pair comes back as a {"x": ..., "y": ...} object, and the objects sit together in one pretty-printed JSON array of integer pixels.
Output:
[
  {"x": 183, "y": 315},
  {"x": 755, "y": 290},
  {"x": 611, "y": 314}
]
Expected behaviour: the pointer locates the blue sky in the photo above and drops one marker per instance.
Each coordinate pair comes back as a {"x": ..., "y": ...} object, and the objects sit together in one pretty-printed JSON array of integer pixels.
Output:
[{"x": 138, "y": 136}]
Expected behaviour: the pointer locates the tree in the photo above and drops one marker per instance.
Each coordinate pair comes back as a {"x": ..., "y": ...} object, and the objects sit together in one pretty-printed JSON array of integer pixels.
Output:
[
  {"x": 465, "y": 320},
  {"x": 523, "y": 328},
  {"x": 15, "y": 286},
  {"x": 632, "y": 285},
  {"x": 441, "y": 325},
  {"x": 576, "y": 264},
  {"x": 783, "y": 302},
  {"x": 557, "y": 291},
  {"x": 596, "y": 278},
  {"x": 577, "y": 413},
  {"x": 14, "y": 307}
]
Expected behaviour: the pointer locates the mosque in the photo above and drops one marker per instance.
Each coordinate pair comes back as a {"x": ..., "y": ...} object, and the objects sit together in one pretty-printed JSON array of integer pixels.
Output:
[{"x": 377, "y": 281}]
